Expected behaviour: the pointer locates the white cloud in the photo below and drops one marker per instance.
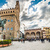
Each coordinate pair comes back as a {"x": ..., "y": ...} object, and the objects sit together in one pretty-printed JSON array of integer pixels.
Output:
[
  {"x": 43, "y": 13},
  {"x": 31, "y": 20},
  {"x": 9, "y": 4}
]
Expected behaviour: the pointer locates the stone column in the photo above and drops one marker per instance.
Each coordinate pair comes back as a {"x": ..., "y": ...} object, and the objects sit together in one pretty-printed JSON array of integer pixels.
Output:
[{"x": 35, "y": 35}]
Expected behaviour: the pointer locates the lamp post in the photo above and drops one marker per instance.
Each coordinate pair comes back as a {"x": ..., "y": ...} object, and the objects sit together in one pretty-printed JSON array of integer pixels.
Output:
[
  {"x": 24, "y": 28},
  {"x": 22, "y": 35},
  {"x": 18, "y": 35}
]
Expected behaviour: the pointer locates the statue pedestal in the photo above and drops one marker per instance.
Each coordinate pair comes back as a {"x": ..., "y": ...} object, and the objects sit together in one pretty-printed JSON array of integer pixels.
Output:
[{"x": 1, "y": 36}]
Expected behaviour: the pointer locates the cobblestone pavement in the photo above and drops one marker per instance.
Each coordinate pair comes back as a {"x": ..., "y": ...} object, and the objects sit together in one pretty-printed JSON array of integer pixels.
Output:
[{"x": 35, "y": 45}]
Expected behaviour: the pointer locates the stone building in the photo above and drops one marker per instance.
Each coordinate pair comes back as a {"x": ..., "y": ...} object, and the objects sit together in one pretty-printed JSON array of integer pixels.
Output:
[
  {"x": 44, "y": 34},
  {"x": 12, "y": 26},
  {"x": 33, "y": 33},
  {"x": 47, "y": 31}
]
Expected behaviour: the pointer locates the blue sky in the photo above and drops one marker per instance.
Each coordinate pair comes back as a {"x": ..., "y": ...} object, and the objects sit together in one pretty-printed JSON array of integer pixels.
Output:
[
  {"x": 48, "y": 3},
  {"x": 33, "y": 3},
  {"x": 2, "y": 2}
]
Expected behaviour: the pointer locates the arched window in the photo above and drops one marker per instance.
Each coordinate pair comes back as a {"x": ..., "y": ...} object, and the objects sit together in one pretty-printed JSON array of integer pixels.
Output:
[
  {"x": 8, "y": 20},
  {"x": 11, "y": 20},
  {"x": 4, "y": 12},
  {"x": 7, "y": 28},
  {"x": 12, "y": 28},
  {"x": 38, "y": 34}
]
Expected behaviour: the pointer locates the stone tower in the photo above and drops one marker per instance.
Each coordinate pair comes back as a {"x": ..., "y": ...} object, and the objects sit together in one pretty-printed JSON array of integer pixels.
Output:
[{"x": 17, "y": 5}]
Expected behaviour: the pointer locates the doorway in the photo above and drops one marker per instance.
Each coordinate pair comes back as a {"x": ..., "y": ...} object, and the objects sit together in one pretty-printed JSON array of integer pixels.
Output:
[{"x": 4, "y": 37}]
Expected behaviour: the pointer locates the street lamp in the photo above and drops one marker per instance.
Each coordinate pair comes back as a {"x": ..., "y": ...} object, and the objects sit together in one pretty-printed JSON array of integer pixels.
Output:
[
  {"x": 24, "y": 26},
  {"x": 22, "y": 35}
]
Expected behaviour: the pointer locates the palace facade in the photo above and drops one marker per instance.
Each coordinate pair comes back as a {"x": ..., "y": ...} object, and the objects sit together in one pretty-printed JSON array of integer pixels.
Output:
[
  {"x": 12, "y": 26},
  {"x": 47, "y": 32}
]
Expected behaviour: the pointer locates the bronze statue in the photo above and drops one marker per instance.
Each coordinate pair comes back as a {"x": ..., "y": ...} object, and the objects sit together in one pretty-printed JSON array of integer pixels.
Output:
[{"x": 2, "y": 22}]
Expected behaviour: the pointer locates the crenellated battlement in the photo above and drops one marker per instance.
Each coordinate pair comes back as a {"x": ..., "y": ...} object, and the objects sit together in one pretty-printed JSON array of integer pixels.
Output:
[
  {"x": 10, "y": 10},
  {"x": 7, "y": 11}
]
